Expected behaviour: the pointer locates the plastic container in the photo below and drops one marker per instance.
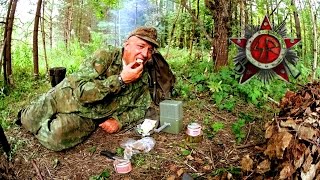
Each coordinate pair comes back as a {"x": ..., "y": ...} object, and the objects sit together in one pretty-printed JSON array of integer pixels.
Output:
[{"x": 122, "y": 166}]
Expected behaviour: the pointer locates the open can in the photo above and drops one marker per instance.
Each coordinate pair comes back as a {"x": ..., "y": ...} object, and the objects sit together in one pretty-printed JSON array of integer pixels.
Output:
[
  {"x": 122, "y": 166},
  {"x": 194, "y": 133}
]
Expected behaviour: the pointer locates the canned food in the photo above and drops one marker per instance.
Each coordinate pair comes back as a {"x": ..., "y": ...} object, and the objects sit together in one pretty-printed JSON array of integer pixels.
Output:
[
  {"x": 194, "y": 133},
  {"x": 194, "y": 129},
  {"x": 122, "y": 166}
]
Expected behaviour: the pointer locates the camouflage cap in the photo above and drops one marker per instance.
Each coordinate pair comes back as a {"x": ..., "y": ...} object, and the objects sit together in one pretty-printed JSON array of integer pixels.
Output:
[{"x": 146, "y": 33}]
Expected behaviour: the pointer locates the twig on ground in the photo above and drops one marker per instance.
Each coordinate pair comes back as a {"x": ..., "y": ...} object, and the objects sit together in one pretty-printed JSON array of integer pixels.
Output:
[
  {"x": 191, "y": 167},
  {"x": 250, "y": 125},
  {"x": 274, "y": 101},
  {"x": 49, "y": 172},
  {"x": 248, "y": 177},
  {"x": 214, "y": 113},
  {"x": 37, "y": 169},
  {"x": 184, "y": 77},
  {"x": 249, "y": 145},
  {"x": 211, "y": 156}
]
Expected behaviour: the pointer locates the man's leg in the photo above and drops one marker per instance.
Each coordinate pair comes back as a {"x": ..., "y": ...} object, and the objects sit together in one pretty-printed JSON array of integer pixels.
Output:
[
  {"x": 38, "y": 112},
  {"x": 65, "y": 131}
]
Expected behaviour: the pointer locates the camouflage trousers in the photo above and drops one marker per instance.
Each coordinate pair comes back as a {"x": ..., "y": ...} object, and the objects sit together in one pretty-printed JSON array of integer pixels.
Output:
[
  {"x": 55, "y": 131},
  {"x": 59, "y": 131}
]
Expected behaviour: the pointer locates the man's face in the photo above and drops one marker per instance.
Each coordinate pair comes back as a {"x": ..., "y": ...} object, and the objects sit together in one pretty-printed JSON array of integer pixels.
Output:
[{"x": 136, "y": 48}]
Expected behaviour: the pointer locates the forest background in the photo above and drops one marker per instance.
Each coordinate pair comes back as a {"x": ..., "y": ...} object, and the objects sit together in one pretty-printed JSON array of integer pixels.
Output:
[{"x": 194, "y": 37}]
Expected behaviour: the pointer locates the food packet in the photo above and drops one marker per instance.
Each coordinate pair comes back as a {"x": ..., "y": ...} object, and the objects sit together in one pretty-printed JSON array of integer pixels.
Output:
[{"x": 132, "y": 146}]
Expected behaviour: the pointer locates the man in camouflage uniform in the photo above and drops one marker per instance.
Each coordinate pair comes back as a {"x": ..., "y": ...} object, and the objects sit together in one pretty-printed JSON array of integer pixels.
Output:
[{"x": 109, "y": 86}]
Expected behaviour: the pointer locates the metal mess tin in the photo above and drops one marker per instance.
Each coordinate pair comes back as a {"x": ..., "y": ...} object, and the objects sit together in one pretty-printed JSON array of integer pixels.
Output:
[{"x": 122, "y": 166}]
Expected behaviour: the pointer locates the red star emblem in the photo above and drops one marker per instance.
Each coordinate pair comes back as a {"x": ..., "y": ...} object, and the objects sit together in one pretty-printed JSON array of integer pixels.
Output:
[{"x": 265, "y": 50}]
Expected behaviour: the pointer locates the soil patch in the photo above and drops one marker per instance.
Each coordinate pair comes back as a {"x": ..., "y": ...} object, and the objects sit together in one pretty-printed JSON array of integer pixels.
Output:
[{"x": 171, "y": 157}]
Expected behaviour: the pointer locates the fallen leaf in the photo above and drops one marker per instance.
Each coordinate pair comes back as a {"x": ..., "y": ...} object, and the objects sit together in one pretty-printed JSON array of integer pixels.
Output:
[
  {"x": 173, "y": 167},
  {"x": 307, "y": 163},
  {"x": 298, "y": 153},
  {"x": 199, "y": 160},
  {"x": 277, "y": 144},
  {"x": 308, "y": 111},
  {"x": 264, "y": 166},
  {"x": 306, "y": 133},
  {"x": 246, "y": 163},
  {"x": 207, "y": 168},
  {"x": 180, "y": 171},
  {"x": 269, "y": 132},
  {"x": 289, "y": 123},
  {"x": 171, "y": 177},
  {"x": 286, "y": 171},
  {"x": 189, "y": 157},
  {"x": 311, "y": 174}
]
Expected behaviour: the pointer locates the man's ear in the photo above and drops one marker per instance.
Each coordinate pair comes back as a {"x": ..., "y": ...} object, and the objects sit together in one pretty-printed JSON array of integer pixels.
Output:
[{"x": 125, "y": 44}]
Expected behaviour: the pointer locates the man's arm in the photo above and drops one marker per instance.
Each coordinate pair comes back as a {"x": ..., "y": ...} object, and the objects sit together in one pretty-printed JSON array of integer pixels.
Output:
[
  {"x": 90, "y": 83},
  {"x": 131, "y": 115}
]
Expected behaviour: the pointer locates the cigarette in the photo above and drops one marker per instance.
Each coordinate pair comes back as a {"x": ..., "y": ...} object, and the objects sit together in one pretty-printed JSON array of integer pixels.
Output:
[{"x": 139, "y": 61}]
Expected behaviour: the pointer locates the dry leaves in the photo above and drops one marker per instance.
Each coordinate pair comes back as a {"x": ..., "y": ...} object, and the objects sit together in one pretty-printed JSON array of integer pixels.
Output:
[{"x": 292, "y": 150}]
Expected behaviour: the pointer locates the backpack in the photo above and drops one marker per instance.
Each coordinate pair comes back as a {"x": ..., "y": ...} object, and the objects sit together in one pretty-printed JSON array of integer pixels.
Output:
[{"x": 161, "y": 78}]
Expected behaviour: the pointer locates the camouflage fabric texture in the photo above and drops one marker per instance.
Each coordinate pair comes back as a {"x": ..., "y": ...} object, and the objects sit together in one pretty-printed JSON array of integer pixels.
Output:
[{"x": 65, "y": 115}]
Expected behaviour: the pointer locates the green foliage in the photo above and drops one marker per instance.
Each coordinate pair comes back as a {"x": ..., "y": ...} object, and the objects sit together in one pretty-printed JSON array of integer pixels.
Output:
[
  {"x": 237, "y": 127},
  {"x": 120, "y": 151},
  {"x": 217, "y": 126},
  {"x": 99, "y": 7},
  {"x": 195, "y": 76},
  {"x": 138, "y": 160},
  {"x": 185, "y": 152},
  {"x": 213, "y": 129},
  {"x": 92, "y": 149},
  {"x": 105, "y": 174},
  {"x": 222, "y": 87},
  {"x": 15, "y": 146},
  {"x": 232, "y": 170},
  {"x": 22, "y": 58}
]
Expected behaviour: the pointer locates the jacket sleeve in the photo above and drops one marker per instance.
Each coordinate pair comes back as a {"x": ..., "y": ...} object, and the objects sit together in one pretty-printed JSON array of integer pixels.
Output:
[
  {"x": 136, "y": 112},
  {"x": 91, "y": 83}
]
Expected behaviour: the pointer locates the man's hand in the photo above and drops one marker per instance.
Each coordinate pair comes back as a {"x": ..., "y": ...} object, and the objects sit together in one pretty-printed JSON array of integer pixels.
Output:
[
  {"x": 130, "y": 73},
  {"x": 110, "y": 125}
]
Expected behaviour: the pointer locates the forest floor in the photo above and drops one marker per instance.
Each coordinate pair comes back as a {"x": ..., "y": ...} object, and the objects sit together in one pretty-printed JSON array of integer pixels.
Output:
[{"x": 172, "y": 156}]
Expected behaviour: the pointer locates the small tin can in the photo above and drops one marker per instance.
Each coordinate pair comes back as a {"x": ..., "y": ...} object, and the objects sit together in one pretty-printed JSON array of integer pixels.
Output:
[
  {"x": 122, "y": 166},
  {"x": 194, "y": 133}
]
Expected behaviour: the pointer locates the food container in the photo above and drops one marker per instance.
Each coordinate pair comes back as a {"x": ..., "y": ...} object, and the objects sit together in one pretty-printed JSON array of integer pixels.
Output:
[
  {"x": 122, "y": 166},
  {"x": 194, "y": 133}
]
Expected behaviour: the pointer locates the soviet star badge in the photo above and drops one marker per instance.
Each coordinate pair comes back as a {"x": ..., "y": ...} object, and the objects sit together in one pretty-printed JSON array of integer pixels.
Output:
[{"x": 266, "y": 52}]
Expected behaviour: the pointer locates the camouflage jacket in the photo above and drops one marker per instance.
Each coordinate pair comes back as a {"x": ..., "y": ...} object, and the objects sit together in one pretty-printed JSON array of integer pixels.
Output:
[{"x": 95, "y": 91}]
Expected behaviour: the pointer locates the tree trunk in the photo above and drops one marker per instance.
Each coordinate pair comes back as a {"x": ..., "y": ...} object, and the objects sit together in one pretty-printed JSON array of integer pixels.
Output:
[
  {"x": 297, "y": 25},
  {"x": 35, "y": 40},
  {"x": 242, "y": 18},
  {"x": 68, "y": 23},
  {"x": 315, "y": 38},
  {"x": 172, "y": 31},
  {"x": 221, "y": 12},
  {"x": 8, "y": 37},
  {"x": 5, "y": 77},
  {"x": 44, "y": 38},
  {"x": 51, "y": 23}
]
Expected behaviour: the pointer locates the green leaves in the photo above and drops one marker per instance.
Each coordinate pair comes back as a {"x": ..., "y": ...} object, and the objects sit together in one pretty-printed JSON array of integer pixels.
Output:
[
  {"x": 185, "y": 152},
  {"x": 237, "y": 127},
  {"x": 217, "y": 126},
  {"x": 238, "y": 131},
  {"x": 214, "y": 86},
  {"x": 102, "y": 176}
]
